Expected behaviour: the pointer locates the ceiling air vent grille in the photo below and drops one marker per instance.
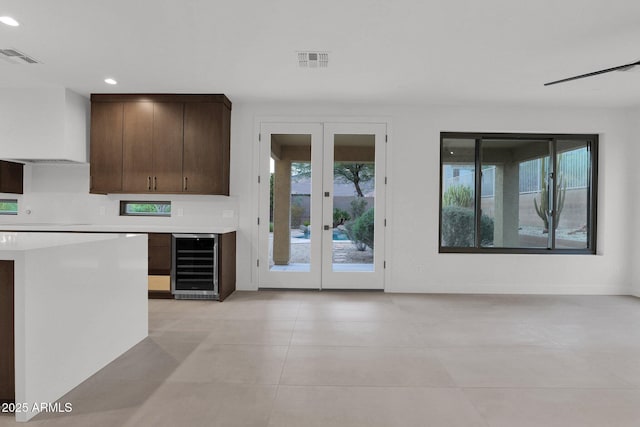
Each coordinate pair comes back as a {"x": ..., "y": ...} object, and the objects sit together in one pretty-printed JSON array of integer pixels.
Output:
[
  {"x": 17, "y": 57},
  {"x": 313, "y": 59}
]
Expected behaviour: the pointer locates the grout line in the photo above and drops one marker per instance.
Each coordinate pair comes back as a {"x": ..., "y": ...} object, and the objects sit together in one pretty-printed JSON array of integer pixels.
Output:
[
  {"x": 275, "y": 397},
  {"x": 475, "y": 407}
]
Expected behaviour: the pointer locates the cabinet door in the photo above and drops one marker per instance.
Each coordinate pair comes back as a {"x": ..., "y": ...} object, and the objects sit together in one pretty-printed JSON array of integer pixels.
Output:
[
  {"x": 206, "y": 147},
  {"x": 7, "y": 340},
  {"x": 159, "y": 253},
  {"x": 167, "y": 146},
  {"x": 137, "y": 139},
  {"x": 11, "y": 177},
  {"x": 227, "y": 265},
  {"x": 106, "y": 147}
]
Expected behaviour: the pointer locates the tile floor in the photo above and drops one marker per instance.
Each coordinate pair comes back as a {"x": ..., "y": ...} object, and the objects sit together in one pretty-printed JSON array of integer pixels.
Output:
[{"x": 370, "y": 359}]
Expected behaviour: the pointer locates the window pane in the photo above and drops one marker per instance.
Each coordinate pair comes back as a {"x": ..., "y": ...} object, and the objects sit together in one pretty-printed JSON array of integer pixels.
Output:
[
  {"x": 572, "y": 198},
  {"x": 354, "y": 196},
  {"x": 458, "y": 193},
  {"x": 290, "y": 203},
  {"x": 514, "y": 198},
  {"x": 8, "y": 207},
  {"x": 136, "y": 208}
]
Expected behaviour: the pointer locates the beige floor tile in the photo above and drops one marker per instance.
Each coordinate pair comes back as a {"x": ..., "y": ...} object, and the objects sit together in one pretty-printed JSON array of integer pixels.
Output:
[
  {"x": 153, "y": 359},
  {"x": 569, "y": 360},
  {"x": 615, "y": 332},
  {"x": 350, "y": 311},
  {"x": 76, "y": 419},
  {"x": 360, "y": 366},
  {"x": 179, "y": 344},
  {"x": 258, "y": 310},
  {"x": 524, "y": 367},
  {"x": 206, "y": 405},
  {"x": 259, "y": 332},
  {"x": 241, "y": 364},
  {"x": 557, "y": 407},
  {"x": 467, "y": 333},
  {"x": 372, "y": 407},
  {"x": 623, "y": 364},
  {"x": 102, "y": 396},
  {"x": 370, "y": 334}
]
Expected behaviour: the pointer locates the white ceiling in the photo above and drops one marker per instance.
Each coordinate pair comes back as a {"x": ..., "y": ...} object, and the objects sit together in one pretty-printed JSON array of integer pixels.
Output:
[{"x": 381, "y": 51}]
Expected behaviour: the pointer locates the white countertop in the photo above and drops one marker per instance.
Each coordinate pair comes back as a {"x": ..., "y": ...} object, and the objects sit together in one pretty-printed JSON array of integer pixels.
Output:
[
  {"x": 13, "y": 241},
  {"x": 111, "y": 228}
]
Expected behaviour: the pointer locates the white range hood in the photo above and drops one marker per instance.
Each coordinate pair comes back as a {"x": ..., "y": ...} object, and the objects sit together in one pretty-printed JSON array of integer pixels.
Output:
[{"x": 46, "y": 124}]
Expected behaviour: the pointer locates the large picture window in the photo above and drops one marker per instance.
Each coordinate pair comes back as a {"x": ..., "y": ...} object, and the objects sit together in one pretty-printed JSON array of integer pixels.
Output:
[{"x": 518, "y": 193}]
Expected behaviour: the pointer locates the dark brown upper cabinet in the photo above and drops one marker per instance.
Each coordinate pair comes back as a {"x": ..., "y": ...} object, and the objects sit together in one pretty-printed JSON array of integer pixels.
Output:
[
  {"x": 137, "y": 143},
  {"x": 206, "y": 128},
  {"x": 168, "y": 125},
  {"x": 152, "y": 147},
  {"x": 168, "y": 144},
  {"x": 106, "y": 147},
  {"x": 11, "y": 177}
]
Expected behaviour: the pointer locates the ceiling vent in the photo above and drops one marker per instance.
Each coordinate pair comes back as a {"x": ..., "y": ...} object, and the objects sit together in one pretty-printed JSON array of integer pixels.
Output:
[
  {"x": 313, "y": 59},
  {"x": 14, "y": 56}
]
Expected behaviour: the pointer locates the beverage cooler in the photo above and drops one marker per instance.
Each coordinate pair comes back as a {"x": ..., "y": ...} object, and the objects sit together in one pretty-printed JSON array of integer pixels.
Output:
[{"x": 194, "y": 271}]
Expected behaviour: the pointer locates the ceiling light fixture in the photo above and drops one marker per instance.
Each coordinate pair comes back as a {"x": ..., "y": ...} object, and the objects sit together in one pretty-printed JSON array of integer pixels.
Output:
[
  {"x": 7, "y": 20},
  {"x": 110, "y": 81},
  {"x": 11, "y": 55}
]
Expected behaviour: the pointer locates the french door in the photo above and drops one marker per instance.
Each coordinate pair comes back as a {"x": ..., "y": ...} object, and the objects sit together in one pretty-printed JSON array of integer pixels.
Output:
[{"x": 322, "y": 189}]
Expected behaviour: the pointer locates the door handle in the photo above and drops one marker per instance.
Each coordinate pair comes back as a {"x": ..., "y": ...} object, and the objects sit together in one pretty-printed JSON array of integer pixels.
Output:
[
  {"x": 155, "y": 183},
  {"x": 149, "y": 183},
  {"x": 326, "y": 227},
  {"x": 185, "y": 183}
]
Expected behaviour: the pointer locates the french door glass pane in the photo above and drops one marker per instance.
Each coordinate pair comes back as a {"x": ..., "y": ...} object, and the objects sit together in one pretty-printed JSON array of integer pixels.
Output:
[
  {"x": 290, "y": 203},
  {"x": 572, "y": 197},
  {"x": 458, "y": 193},
  {"x": 514, "y": 200},
  {"x": 353, "y": 202}
]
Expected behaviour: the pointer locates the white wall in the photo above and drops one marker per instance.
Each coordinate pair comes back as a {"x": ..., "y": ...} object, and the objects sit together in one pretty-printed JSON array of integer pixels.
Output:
[
  {"x": 43, "y": 123},
  {"x": 59, "y": 193},
  {"x": 413, "y": 261},
  {"x": 633, "y": 117}
]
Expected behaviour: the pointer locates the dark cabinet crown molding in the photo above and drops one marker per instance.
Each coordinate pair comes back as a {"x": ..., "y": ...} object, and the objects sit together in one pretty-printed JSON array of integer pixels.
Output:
[{"x": 160, "y": 97}]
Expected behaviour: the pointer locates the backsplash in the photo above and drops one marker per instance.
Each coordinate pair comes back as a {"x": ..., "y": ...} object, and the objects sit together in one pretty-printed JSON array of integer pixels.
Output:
[{"x": 59, "y": 193}]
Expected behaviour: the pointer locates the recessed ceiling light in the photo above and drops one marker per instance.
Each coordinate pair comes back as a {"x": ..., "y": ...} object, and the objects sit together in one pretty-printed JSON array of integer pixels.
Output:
[
  {"x": 110, "y": 81},
  {"x": 9, "y": 21}
]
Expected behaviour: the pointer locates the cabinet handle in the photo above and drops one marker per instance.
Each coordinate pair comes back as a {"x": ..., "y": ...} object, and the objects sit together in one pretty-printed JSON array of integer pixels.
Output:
[
  {"x": 149, "y": 183},
  {"x": 155, "y": 183},
  {"x": 185, "y": 183}
]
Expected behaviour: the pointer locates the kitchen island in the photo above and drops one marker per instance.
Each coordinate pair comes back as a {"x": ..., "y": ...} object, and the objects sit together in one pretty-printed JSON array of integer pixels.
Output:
[{"x": 79, "y": 301}]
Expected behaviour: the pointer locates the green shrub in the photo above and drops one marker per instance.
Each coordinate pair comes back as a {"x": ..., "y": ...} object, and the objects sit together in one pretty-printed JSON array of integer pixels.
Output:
[
  {"x": 270, "y": 227},
  {"x": 458, "y": 195},
  {"x": 458, "y": 224},
  {"x": 306, "y": 223},
  {"x": 296, "y": 215},
  {"x": 363, "y": 227},
  {"x": 358, "y": 206},
  {"x": 486, "y": 230},
  {"x": 340, "y": 217}
]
